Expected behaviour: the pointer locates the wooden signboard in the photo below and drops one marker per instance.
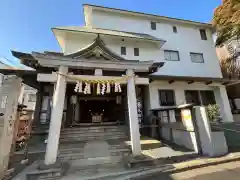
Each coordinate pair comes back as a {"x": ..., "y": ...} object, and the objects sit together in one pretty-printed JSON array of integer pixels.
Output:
[{"x": 187, "y": 119}]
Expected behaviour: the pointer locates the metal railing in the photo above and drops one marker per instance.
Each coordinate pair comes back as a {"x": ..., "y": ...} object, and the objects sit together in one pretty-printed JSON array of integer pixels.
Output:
[{"x": 232, "y": 134}]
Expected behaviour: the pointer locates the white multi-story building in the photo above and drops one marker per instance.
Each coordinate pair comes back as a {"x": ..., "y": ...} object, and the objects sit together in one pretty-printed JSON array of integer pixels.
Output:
[
  {"x": 170, "y": 62},
  {"x": 186, "y": 48},
  {"x": 27, "y": 95}
]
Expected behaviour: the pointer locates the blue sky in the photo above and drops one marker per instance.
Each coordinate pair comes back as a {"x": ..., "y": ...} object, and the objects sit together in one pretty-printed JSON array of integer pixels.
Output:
[{"x": 25, "y": 25}]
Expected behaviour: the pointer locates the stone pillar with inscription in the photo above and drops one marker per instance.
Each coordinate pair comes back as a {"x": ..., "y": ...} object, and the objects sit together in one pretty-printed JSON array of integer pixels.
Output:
[{"x": 9, "y": 94}]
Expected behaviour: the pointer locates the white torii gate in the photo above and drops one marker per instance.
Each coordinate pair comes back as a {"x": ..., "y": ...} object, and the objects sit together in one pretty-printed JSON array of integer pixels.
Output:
[{"x": 58, "y": 102}]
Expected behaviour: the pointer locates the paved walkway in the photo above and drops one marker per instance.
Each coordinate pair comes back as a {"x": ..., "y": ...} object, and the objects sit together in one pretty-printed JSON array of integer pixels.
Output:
[{"x": 226, "y": 171}]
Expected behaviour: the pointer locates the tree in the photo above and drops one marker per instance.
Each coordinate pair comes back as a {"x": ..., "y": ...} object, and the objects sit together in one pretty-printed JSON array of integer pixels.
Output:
[
  {"x": 226, "y": 20},
  {"x": 230, "y": 68}
]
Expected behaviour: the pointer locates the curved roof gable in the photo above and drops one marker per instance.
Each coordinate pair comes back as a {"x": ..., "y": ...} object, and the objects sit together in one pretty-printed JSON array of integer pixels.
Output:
[{"x": 97, "y": 49}]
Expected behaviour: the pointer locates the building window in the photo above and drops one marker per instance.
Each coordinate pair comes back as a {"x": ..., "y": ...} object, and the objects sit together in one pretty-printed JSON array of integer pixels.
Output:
[
  {"x": 123, "y": 50},
  {"x": 203, "y": 34},
  {"x": 31, "y": 97},
  {"x": 174, "y": 29},
  {"x": 171, "y": 55},
  {"x": 197, "y": 57},
  {"x": 192, "y": 97},
  {"x": 166, "y": 97},
  {"x": 207, "y": 97},
  {"x": 136, "y": 51},
  {"x": 198, "y": 98},
  {"x": 153, "y": 25}
]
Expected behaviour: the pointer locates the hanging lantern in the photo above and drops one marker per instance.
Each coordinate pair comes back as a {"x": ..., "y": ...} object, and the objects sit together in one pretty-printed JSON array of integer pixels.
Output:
[{"x": 74, "y": 99}]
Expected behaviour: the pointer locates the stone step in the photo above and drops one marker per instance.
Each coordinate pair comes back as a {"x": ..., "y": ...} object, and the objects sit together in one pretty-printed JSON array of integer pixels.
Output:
[
  {"x": 94, "y": 127},
  {"x": 95, "y": 131},
  {"x": 69, "y": 139},
  {"x": 81, "y": 134},
  {"x": 80, "y": 144},
  {"x": 84, "y": 136},
  {"x": 90, "y": 170},
  {"x": 81, "y": 164},
  {"x": 91, "y": 135},
  {"x": 81, "y": 149},
  {"x": 100, "y": 130},
  {"x": 121, "y": 153},
  {"x": 69, "y": 152}
]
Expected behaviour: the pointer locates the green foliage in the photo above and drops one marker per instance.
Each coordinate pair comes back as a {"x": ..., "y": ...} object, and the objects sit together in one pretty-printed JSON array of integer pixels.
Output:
[
  {"x": 226, "y": 20},
  {"x": 213, "y": 112}
]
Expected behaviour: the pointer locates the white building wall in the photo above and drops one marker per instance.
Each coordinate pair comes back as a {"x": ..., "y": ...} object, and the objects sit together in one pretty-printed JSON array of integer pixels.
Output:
[
  {"x": 150, "y": 51},
  {"x": 27, "y": 91},
  {"x": 178, "y": 87},
  {"x": 75, "y": 42},
  {"x": 185, "y": 41},
  {"x": 147, "y": 50},
  {"x": 3, "y": 66}
]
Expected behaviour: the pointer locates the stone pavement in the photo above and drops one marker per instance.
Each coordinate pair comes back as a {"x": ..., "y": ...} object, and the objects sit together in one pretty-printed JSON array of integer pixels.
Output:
[
  {"x": 227, "y": 166},
  {"x": 225, "y": 171},
  {"x": 156, "y": 149}
]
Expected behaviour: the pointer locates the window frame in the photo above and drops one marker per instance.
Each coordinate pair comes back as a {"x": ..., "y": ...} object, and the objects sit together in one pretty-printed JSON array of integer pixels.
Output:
[
  {"x": 206, "y": 93},
  {"x": 175, "y": 30},
  {"x": 123, "y": 50},
  {"x": 134, "y": 51},
  {"x": 172, "y": 51},
  {"x": 153, "y": 25},
  {"x": 167, "y": 90},
  {"x": 30, "y": 98},
  {"x": 203, "y": 34},
  {"x": 194, "y": 53},
  {"x": 200, "y": 98}
]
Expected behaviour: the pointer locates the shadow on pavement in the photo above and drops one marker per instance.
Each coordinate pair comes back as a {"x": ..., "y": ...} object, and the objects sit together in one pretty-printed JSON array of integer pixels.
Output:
[
  {"x": 158, "y": 176},
  {"x": 232, "y": 174}
]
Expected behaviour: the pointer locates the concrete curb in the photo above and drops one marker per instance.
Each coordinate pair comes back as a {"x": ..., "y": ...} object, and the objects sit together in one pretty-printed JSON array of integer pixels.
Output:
[{"x": 184, "y": 166}]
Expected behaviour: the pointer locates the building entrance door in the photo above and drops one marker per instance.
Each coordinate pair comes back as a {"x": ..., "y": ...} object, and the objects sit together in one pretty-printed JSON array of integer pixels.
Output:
[
  {"x": 100, "y": 111},
  {"x": 83, "y": 109}
]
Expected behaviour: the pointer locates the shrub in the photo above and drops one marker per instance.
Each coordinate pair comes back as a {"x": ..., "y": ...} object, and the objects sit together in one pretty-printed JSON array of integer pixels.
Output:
[{"x": 213, "y": 112}]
